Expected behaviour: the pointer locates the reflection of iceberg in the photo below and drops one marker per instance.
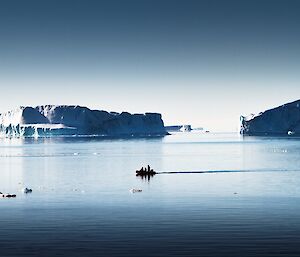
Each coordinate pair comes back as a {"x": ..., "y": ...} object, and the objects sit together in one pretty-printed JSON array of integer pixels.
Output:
[{"x": 49, "y": 120}]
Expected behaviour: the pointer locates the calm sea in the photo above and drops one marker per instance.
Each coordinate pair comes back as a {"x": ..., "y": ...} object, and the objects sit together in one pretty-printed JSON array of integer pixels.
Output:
[{"x": 247, "y": 204}]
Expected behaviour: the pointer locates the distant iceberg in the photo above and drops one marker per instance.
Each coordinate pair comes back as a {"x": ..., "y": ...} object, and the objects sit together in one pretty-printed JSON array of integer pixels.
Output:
[
  {"x": 64, "y": 120},
  {"x": 282, "y": 120},
  {"x": 179, "y": 128}
]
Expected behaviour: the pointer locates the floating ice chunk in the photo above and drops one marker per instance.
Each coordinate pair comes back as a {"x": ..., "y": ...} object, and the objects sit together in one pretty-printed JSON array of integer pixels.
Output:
[
  {"x": 135, "y": 190},
  {"x": 26, "y": 190}
]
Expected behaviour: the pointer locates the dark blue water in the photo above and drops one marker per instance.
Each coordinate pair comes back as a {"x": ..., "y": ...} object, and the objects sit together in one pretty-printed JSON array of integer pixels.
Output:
[{"x": 81, "y": 204}]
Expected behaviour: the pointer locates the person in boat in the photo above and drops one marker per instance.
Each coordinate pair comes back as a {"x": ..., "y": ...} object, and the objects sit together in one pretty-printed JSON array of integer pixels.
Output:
[
  {"x": 141, "y": 171},
  {"x": 145, "y": 171}
]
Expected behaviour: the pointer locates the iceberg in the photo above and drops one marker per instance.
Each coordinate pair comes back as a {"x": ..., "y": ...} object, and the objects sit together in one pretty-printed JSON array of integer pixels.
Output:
[
  {"x": 282, "y": 120},
  {"x": 179, "y": 128},
  {"x": 66, "y": 120}
]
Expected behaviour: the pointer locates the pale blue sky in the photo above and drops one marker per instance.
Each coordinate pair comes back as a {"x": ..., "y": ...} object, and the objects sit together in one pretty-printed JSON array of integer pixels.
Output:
[{"x": 198, "y": 62}]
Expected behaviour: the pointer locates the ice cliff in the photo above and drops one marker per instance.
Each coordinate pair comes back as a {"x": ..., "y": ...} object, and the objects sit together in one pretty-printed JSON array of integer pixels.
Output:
[
  {"x": 282, "y": 120},
  {"x": 49, "y": 120}
]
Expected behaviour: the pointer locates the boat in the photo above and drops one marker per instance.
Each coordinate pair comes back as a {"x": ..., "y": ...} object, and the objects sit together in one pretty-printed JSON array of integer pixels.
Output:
[{"x": 145, "y": 171}]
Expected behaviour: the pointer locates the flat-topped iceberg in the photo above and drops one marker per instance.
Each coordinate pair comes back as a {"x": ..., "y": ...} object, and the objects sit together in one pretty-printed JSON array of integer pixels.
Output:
[
  {"x": 282, "y": 120},
  {"x": 60, "y": 120}
]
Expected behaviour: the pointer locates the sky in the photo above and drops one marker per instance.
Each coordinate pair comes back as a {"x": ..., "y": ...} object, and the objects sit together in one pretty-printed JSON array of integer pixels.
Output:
[{"x": 199, "y": 62}]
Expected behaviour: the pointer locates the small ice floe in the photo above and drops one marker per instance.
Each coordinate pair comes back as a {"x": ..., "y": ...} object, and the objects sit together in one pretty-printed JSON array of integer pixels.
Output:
[
  {"x": 7, "y": 195},
  {"x": 135, "y": 190},
  {"x": 26, "y": 190},
  {"x": 75, "y": 153},
  {"x": 95, "y": 153},
  {"x": 78, "y": 190}
]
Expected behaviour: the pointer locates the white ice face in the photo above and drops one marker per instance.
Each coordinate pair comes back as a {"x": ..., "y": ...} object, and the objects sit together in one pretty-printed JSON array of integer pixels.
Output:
[{"x": 13, "y": 117}]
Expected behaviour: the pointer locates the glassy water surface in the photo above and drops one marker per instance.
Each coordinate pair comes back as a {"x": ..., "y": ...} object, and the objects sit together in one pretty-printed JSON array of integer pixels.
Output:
[{"x": 246, "y": 204}]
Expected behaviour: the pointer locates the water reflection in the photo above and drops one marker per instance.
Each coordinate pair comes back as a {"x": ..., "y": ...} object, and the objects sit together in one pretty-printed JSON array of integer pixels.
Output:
[
  {"x": 78, "y": 139},
  {"x": 81, "y": 205},
  {"x": 145, "y": 176}
]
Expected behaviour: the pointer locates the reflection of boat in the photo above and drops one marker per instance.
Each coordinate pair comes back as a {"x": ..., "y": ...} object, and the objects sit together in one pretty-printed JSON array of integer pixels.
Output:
[{"x": 186, "y": 128}]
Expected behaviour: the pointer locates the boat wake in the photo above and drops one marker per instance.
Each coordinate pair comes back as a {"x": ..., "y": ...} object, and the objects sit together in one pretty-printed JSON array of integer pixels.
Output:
[{"x": 223, "y": 171}]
